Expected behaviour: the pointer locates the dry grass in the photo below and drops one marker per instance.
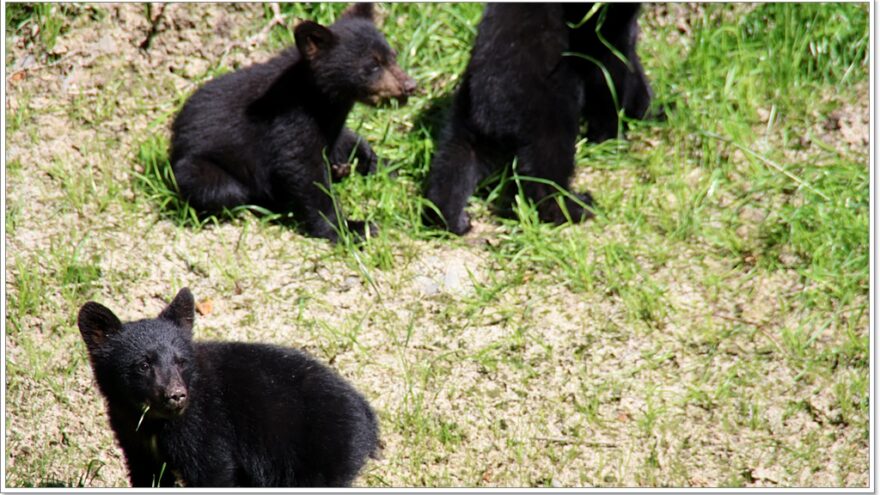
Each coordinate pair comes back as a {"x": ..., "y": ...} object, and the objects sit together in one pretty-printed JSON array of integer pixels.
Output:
[{"x": 708, "y": 329}]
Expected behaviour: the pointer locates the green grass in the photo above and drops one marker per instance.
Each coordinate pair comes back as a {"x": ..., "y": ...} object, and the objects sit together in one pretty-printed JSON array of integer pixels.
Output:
[
  {"x": 41, "y": 24},
  {"x": 157, "y": 184},
  {"x": 707, "y": 328}
]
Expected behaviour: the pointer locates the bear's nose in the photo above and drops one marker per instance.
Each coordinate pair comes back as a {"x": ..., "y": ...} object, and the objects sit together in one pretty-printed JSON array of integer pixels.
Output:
[
  {"x": 175, "y": 397},
  {"x": 409, "y": 86}
]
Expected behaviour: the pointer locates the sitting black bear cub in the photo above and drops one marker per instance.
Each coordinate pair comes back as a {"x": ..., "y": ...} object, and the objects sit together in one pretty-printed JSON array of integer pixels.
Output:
[
  {"x": 523, "y": 95},
  {"x": 259, "y": 135},
  {"x": 223, "y": 414}
]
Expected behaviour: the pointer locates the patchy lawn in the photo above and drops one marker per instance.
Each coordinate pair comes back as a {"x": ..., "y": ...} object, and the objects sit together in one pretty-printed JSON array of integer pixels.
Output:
[{"x": 708, "y": 328}]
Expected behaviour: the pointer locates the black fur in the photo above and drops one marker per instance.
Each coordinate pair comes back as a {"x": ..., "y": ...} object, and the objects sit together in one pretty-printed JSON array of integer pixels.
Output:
[
  {"x": 223, "y": 413},
  {"x": 521, "y": 97},
  {"x": 619, "y": 27},
  {"x": 259, "y": 135}
]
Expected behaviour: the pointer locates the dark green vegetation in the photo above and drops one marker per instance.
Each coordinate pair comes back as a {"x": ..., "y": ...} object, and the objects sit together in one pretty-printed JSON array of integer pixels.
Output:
[{"x": 709, "y": 327}]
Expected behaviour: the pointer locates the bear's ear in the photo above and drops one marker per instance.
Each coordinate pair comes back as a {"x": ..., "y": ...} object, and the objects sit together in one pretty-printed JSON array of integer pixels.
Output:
[
  {"x": 96, "y": 323},
  {"x": 312, "y": 38},
  {"x": 181, "y": 311},
  {"x": 362, "y": 10}
]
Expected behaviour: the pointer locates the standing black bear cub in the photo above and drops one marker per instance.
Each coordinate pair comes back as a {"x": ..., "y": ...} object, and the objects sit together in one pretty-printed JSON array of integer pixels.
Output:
[
  {"x": 259, "y": 135},
  {"x": 523, "y": 95},
  {"x": 223, "y": 414}
]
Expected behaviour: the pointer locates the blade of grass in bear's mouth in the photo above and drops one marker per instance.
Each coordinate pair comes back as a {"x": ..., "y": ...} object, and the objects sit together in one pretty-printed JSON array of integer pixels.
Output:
[{"x": 143, "y": 414}]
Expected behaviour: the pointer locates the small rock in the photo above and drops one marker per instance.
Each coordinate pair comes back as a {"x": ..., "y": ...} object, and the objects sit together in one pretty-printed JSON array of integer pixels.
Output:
[
  {"x": 763, "y": 474},
  {"x": 453, "y": 279},
  {"x": 426, "y": 285},
  {"x": 24, "y": 63},
  {"x": 107, "y": 44},
  {"x": 195, "y": 68},
  {"x": 351, "y": 282},
  {"x": 60, "y": 47}
]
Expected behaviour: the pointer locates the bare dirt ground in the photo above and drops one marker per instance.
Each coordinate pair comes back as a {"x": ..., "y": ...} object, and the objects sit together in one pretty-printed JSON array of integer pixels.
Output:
[{"x": 544, "y": 386}]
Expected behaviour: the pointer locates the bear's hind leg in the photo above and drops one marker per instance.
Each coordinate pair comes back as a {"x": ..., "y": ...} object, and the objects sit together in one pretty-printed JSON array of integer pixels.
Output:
[
  {"x": 637, "y": 94},
  {"x": 453, "y": 178},
  {"x": 208, "y": 187},
  {"x": 551, "y": 157}
]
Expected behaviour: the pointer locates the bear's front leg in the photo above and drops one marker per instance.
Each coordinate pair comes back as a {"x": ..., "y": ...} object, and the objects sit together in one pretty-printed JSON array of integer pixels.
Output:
[
  {"x": 222, "y": 472},
  {"x": 350, "y": 146},
  {"x": 144, "y": 472},
  {"x": 302, "y": 186}
]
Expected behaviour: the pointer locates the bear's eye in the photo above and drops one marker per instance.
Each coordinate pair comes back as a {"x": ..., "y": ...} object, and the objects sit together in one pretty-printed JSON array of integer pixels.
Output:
[
  {"x": 144, "y": 366},
  {"x": 373, "y": 68}
]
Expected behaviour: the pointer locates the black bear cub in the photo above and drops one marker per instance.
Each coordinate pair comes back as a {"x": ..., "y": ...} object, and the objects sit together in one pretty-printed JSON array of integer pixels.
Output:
[
  {"x": 261, "y": 135},
  {"x": 223, "y": 413},
  {"x": 526, "y": 89}
]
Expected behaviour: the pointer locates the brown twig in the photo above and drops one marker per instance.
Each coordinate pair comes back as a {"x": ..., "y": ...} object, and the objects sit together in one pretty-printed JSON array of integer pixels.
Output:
[
  {"x": 44, "y": 66},
  {"x": 574, "y": 441},
  {"x": 758, "y": 327},
  {"x": 154, "y": 25},
  {"x": 277, "y": 20}
]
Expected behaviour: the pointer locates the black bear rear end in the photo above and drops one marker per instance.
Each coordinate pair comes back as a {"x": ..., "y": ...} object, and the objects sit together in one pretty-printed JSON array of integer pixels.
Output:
[
  {"x": 524, "y": 92},
  {"x": 223, "y": 414}
]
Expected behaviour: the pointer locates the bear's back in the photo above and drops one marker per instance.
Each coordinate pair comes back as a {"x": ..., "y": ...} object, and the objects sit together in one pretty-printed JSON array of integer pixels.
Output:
[
  {"x": 296, "y": 421},
  {"x": 517, "y": 69},
  {"x": 216, "y": 113}
]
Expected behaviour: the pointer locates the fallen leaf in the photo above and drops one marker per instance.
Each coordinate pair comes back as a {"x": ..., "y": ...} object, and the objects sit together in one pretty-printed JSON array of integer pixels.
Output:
[{"x": 205, "y": 306}]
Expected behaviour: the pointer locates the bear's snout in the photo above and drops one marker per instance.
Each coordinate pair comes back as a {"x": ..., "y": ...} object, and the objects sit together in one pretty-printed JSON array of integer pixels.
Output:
[
  {"x": 406, "y": 86},
  {"x": 409, "y": 84},
  {"x": 175, "y": 398},
  {"x": 394, "y": 84}
]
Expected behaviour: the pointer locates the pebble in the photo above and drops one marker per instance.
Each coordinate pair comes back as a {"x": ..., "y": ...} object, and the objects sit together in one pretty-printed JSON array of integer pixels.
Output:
[
  {"x": 426, "y": 285},
  {"x": 453, "y": 279}
]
